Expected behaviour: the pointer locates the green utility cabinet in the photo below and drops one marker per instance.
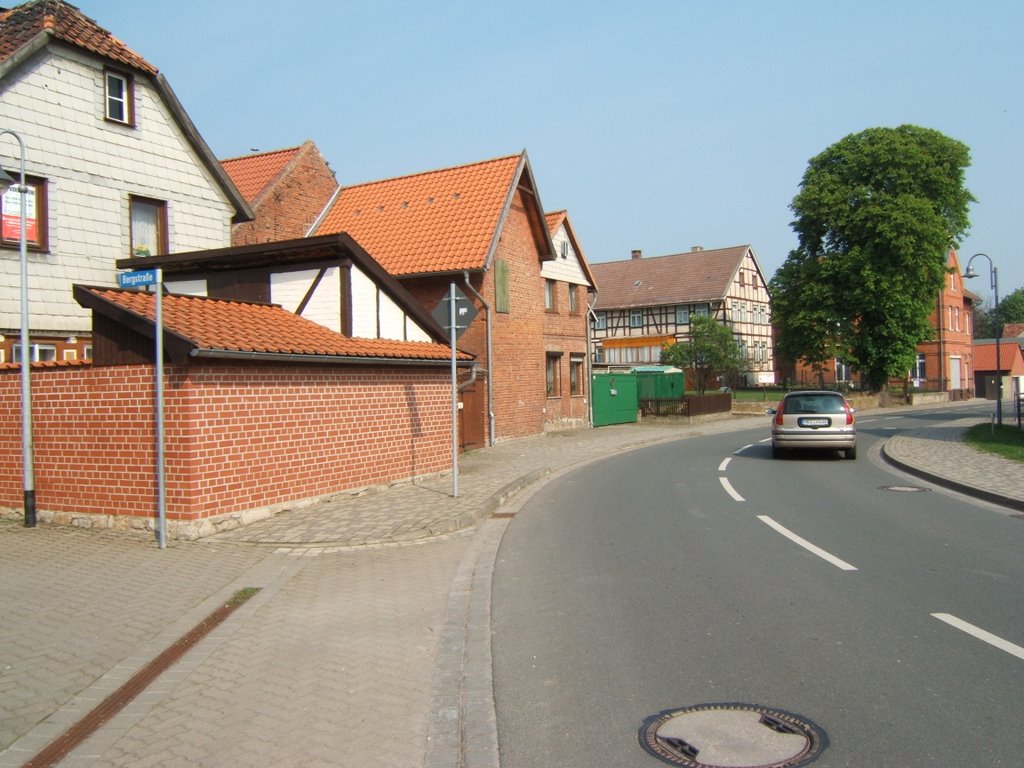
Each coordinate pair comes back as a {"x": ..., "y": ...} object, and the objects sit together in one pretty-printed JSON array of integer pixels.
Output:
[
  {"x": 660, "y": 383},
  {"x": 614, "y": 397}
]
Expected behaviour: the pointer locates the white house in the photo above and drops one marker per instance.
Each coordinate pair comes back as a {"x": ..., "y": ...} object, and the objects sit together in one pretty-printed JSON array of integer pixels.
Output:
[{"x": 114, "y": 168}]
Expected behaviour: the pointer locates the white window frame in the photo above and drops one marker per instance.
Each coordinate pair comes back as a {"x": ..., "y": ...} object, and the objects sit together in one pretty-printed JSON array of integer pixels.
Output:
[
  {"x": 636, "y": 318},
  {"x": 123, "y": 101},
  {"x": 600, "y": 321},
  {"x": 682, "y": 315}
]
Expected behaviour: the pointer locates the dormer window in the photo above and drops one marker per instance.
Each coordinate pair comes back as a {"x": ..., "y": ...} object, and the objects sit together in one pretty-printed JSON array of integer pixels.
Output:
[{"x": 120, "y": 104}]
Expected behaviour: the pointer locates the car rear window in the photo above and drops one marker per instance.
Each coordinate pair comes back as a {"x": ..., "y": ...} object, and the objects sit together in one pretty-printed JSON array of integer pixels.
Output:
[{"x": 814, "y": 404}]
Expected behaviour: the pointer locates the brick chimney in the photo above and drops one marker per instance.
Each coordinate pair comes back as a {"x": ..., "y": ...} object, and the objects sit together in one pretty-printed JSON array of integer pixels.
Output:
[{"x": 636, "y": 253}]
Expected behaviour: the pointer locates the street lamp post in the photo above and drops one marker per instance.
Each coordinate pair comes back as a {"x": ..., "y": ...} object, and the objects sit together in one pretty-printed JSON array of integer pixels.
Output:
[
  {"x": 994, "y": 274},
  {"x": 28, "y": 473}
]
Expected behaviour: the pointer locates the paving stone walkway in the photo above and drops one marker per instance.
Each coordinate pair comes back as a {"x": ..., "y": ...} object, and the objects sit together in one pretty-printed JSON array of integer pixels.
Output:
[{"x": 354, "y": 651}]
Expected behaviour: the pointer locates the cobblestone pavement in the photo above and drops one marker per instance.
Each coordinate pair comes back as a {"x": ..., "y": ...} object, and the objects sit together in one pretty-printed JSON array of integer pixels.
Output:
[{"x": 359, "y": 630}]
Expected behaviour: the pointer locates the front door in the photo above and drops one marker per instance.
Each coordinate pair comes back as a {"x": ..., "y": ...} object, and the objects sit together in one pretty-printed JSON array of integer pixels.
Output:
[{"x": 472, "y": 423}]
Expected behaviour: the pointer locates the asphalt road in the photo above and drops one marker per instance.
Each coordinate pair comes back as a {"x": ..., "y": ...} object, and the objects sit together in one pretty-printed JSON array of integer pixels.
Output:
[{"x": 703, "y": 571}]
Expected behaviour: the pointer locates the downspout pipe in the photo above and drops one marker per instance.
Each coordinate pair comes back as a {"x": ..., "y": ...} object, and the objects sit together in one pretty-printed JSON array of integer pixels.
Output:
[{"x": 490, "y": 359}]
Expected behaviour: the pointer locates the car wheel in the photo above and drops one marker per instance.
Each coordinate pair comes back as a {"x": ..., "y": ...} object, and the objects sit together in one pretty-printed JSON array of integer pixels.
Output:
[{"x": 851, "y": 453}]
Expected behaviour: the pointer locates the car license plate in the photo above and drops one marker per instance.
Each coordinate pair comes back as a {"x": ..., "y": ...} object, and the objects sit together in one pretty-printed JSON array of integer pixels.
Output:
[{"x": 811, "y": 422}]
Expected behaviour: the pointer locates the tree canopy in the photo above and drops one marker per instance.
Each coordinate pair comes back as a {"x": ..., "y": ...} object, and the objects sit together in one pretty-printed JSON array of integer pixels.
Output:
[
  {"x": 876, "y": 215},
  {"x": 1011, "y": 310},
  {"x": 710, "y": 351}
]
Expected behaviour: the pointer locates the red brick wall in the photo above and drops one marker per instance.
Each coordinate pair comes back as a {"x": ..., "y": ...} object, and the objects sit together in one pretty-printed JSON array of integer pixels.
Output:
[
  {"x": 292, "y": 204},
  {"x": 518, "y": 336},
  {"x": 567, "y": 333},
  {"x": 236, "y": 437}
]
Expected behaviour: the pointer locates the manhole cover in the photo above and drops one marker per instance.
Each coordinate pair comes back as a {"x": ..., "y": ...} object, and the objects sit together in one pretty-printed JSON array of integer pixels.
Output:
[
  {"x": 903, "y": 488},
  {"x": 731, "y": 736}
]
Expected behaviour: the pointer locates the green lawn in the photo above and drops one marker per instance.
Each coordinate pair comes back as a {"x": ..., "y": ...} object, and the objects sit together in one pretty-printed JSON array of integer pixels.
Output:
[{"x": 1006, "y": 441}]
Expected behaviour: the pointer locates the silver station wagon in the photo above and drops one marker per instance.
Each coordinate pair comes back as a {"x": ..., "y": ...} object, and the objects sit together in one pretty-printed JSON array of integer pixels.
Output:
[{"x": 813, "y": 419}]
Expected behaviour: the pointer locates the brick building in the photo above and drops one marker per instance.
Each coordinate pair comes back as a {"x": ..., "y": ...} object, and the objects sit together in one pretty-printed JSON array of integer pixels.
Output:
[{"x": 482, "y": 227}]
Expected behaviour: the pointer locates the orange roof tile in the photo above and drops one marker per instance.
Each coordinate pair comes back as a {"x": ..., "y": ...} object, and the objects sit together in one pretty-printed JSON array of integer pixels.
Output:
[
  {"x": 554, "y": 220},
  {"x": 438, "y": 221},
  {"x": 19, "y": 25},
  {"x": 1010, "y": 357},
  {"x": 214, "y": 325},
  {"x": 253, "y": 173}
]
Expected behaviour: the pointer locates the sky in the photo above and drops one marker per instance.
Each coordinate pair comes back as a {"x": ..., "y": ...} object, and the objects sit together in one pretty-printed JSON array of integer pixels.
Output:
[{"x": 658, "y": 125}]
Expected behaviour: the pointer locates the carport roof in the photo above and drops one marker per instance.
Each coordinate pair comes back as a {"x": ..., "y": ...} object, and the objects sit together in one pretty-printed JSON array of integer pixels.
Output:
[{"x": 197, "y": 326}]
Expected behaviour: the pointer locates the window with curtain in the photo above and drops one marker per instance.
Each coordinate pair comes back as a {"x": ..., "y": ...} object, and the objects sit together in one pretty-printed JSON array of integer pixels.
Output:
[{"x": 148, "y": 226}]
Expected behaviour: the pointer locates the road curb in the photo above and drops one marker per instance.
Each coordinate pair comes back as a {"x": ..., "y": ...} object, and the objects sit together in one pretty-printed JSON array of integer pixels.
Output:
[{"x": 954, "y": 485}]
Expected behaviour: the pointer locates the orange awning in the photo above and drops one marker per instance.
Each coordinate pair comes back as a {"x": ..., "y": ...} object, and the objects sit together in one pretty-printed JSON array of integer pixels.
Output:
[{"x": 637, "y": 341}]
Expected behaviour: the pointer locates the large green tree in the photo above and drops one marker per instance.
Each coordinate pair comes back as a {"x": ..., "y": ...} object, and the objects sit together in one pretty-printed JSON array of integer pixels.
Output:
[
  {"x": 711, "y": 351},
  {"x": 875, "y": 217}
]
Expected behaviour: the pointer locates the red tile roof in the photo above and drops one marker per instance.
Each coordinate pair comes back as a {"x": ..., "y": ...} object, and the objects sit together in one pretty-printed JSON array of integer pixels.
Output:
[
  {"x": 554, "y": 220},
  {"x": 1013, "y": 329},
  {"x": 439, "y": 221},
  {"x": 21, "y": 24},
  {"x": 214, "y": 325},
  {"x": 680, "y": 278},
  {"x": 1010, "y": 357},
  {"x": 253, "y": 173}
]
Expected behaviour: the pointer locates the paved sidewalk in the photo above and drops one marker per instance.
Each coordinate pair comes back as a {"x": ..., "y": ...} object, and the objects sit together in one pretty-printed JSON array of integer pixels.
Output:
[
  {"x": 362, "y": 646},
  {"x": 939, "y": 455}
]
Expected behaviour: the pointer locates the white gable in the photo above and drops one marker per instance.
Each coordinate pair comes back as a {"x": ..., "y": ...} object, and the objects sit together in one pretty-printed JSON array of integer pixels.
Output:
[
  {"x": 91, "y": 166},
  {"x": 566, "y": 265}
]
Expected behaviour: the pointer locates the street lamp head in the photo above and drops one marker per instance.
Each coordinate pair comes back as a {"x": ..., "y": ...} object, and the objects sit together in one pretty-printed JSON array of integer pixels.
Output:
[{"x": 970, "y": 273}]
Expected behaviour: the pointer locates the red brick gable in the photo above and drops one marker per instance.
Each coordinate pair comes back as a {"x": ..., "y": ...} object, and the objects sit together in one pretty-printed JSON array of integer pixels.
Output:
[
  {"x": 252, "y": 174},
  {"x": 20, "y": 25},
  {"x": 288, "y": 190}
]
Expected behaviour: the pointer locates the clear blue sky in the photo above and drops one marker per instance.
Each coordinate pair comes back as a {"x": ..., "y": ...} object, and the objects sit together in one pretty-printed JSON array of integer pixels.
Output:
[{"x": 658, "y": 125}]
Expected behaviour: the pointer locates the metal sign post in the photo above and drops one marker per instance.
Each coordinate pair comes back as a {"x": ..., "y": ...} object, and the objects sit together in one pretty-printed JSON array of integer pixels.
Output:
[
  {"x": 140, "y": 279},
  {"x": 454, "y": 313},
  {"x": 455, "y": 395}
]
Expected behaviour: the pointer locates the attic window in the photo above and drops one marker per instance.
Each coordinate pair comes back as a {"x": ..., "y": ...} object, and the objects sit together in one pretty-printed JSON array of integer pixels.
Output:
[
  {"x": 119, "y": 101},
  {"x": 565, "y": 249}
]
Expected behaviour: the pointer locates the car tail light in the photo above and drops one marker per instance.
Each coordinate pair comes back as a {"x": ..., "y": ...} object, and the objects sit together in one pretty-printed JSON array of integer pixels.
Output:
[
  {"x": 778, "y": 416},
  {"x": 849, "y": 414}
]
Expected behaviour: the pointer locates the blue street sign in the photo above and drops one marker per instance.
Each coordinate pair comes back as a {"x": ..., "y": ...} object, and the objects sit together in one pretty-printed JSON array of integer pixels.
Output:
[{"x": 137, "y": 279}]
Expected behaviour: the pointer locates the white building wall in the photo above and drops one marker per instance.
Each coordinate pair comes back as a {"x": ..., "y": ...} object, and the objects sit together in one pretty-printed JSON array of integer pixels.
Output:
[
  {"x": 566, "y": 268},
  {"x": 56, "y": 104},
  {"x": 289, "y": 289}
]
